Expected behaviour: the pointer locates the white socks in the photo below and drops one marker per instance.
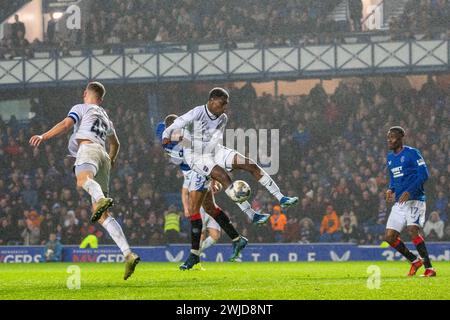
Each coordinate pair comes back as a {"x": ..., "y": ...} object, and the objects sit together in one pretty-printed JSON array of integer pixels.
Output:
[
  {"x": 246, "y": 207},
  {"x": 267, "y": 182},
  {"x": 115, "y": 231},
  {"x": 208, "y": 242},
  {"x": 94, "y": 189}
]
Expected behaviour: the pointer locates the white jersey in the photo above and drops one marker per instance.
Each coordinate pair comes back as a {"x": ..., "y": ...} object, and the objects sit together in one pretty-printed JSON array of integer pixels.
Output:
[
  {"x": 91, "y": 123},
  {"x": 202, "y": 129}
]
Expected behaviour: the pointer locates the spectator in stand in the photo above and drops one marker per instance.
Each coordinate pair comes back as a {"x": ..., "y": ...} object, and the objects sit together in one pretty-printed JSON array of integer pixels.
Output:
[
  {"x": 434, "y": 227},
  {"x": 441, "y": 202},
  {"x": 172, "y": 225},
  {"x": 52, "y": 250},
  {"x": 17, "y": 30},
  {"x": 329, "y": 228},
  {"x": 349, "y": 232},
  {"x": 350, "y": 215},
  {"x": 307, "y": 231},
  {"x": 292, "y": 230},
  {"x": 356, "y": 8},
  {"x": 51, "y": 29},
  {"x": 31, "y": 234},
  {"x": 447, "y": 233},
  {"x": 7, "y": 233},
  {"x": 278, "y": 222}
]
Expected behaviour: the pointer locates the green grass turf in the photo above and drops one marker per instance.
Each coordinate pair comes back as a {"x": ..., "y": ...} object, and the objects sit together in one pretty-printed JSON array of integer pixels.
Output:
[{"x": 272, "y": 281}]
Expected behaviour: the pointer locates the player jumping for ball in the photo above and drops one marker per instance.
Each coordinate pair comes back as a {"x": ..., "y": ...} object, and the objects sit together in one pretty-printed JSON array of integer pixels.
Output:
[
  {"x": 204, "y": 127},
  {"x": 93, "y": 164},
  {"x": 212, "y": 215},
  {"x": 408, "y": 173}
]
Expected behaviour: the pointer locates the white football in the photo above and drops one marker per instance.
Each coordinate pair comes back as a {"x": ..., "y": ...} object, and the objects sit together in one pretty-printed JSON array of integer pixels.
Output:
[{"x": 240, "y": 191}]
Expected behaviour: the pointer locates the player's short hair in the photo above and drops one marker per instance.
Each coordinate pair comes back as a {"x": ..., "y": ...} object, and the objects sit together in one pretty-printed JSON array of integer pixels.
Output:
[
  {"x": 97, "y": 88},
  {"x": 170, "y": 119},
  {"x": 218, "y": 93},
  {"x": 398, "y": 130}
]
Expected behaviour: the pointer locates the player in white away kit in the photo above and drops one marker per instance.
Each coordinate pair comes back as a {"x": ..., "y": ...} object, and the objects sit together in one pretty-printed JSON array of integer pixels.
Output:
[
  {"x": 212, "y": 216},
  {"x": 203, "y": 130},
  {"x": 92, "y": 165}
]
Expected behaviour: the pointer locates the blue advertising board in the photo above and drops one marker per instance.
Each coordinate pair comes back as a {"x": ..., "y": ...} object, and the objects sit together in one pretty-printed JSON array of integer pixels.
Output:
[{"x": 439, "y": 251}]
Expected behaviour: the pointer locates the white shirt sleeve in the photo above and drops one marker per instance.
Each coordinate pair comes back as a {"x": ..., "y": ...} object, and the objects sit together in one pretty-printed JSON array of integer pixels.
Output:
[
  {"x": 111, "y": 129},
  {"x": 180, "y": 123},
  {"x": 76, "y": 113}
]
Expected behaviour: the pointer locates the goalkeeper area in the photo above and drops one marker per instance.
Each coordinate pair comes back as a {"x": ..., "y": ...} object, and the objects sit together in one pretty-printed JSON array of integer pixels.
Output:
[{"x": 224, "y": 281}]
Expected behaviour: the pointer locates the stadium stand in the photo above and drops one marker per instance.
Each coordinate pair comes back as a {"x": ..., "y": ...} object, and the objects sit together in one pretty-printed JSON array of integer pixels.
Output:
[{"x": 342, "y": 166}]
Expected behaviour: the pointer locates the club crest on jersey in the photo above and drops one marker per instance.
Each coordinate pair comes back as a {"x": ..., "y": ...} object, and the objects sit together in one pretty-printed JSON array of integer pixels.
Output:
[{"x": 402, "y": 159}]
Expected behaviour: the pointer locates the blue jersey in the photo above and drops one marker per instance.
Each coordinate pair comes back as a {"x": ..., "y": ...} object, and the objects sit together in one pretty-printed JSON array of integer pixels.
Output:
[
  {"x": 407, "y": 172},
  {"x": 174, "y": 150}
]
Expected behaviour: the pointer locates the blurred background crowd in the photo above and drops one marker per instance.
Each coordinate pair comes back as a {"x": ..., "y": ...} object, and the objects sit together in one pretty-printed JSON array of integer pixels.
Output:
[{"x": 332, "y": 155}]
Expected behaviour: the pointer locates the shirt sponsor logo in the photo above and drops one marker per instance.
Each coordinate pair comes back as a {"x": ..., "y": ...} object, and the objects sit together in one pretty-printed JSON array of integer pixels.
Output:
[{"x": 397, "y": 172}]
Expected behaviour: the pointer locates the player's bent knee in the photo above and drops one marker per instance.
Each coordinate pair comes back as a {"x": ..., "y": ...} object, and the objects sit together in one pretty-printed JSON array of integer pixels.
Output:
[
  {"x": 82, "y": 177},
  {"x": 81, "y": 180},
  {"x": 413, "y": 231},
  {"x": 390, "y": 237},
  {"x": 214, "y": 234}
]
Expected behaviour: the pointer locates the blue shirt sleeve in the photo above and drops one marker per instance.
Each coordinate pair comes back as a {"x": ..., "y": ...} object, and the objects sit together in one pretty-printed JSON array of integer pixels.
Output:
[
  {"x": 421, "y": 171},
  {"x": 160, "y": 129},
  {"x": 391, "y": 177}
]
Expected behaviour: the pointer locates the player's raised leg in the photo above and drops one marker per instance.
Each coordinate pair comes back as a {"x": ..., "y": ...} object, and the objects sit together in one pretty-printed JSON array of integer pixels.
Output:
[
  {"x": 243, "y": 163},
  {"x": 85, "y": 179},
  {"x": 219, "y": 174},
  {"x": 255, "y": 217}
]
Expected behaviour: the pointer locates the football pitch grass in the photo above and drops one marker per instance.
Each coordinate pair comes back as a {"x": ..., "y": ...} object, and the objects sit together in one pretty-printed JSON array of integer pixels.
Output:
[{"x": 224, "y": 281}]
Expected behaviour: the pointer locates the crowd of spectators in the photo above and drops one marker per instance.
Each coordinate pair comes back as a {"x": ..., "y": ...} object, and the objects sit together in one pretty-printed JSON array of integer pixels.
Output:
[
  {"x": 138, "y": 22},
  {"x": 332, "y": 155},
  {"x": 427, "y": 17},
  {"x": 112, "y": 25}
]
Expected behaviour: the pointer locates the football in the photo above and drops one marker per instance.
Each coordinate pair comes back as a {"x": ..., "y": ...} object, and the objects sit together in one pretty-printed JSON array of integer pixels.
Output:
[{"x": 240, "y": 191}]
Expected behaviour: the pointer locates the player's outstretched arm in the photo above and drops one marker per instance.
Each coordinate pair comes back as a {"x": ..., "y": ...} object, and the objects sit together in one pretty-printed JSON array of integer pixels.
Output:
[
  {"x": 179, "y": 123},
  {"x": 114, "y": 146},
  {"x": 58, "y": 129}
]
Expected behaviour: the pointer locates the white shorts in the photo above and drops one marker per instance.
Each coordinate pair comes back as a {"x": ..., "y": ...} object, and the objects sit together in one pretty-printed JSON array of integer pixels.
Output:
[
  {"x": 187, "y": 178},
  {"x": 204, "y": 163},
  {"x": 95, "y": 154},
  {"x": 195, "y": 182},
  {"x": 410, "y": 213},
  {"x": 208, "y": 221}
]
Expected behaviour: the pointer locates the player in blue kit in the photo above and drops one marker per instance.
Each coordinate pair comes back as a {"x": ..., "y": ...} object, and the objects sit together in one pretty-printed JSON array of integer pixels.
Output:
[{"x": 407, "y": 174}]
